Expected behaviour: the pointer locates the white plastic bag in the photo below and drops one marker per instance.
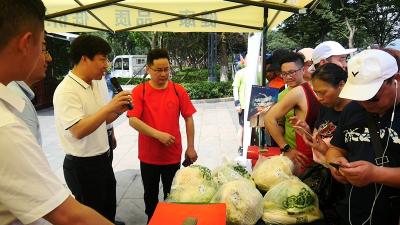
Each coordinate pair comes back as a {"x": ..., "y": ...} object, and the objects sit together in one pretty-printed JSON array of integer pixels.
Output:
[
  {"x": 243, "y": 201},
  {"x": 269, "y": 171},
  {"x": 230, "y": 172},
  {"x": 291, "y": 202},
  {"x": 192, "y": 184}
]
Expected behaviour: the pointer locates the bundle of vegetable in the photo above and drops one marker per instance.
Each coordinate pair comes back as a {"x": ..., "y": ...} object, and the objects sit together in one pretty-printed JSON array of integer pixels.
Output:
[
  {"x": 272, "y": 170},
  {"x": 192, "y": 184},
  {"x": 243, "y": 202},
  {"x": 230, "y": 172},
  {"x": 291, "y": 202}
]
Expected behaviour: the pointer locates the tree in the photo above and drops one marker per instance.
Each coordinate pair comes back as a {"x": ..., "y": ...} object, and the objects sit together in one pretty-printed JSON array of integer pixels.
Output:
[
  {"x": 382, "y": 20},
  {"x": 187, "y": 49},
  {"x": 126, "y": 43},
  {"x": 223, "y": 56},
  {"x": 358, "y": 23},
  {"x": 307, "y": 30},
  {"x": 277, "y": 39}
]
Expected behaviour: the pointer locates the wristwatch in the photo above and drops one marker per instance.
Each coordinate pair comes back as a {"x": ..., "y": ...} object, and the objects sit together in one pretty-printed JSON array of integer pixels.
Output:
[{"x": 285, "y": 148}]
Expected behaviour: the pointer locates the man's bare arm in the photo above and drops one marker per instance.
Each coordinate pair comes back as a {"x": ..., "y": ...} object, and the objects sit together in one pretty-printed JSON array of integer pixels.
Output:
[
  {"x": 278, "y": 111},
  {"x": 73, "y": 212}
]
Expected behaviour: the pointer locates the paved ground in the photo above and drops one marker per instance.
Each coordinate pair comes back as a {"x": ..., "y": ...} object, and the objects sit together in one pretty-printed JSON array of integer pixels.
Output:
[{"x": 216, "y": 126}]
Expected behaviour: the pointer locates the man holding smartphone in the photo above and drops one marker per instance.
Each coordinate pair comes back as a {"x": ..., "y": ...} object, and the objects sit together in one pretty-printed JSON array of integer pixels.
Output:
[{"x": 365, "y": 144}]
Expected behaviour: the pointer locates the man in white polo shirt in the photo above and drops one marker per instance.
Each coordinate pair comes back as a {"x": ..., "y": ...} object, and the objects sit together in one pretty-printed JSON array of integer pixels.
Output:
[
  {"x": 81, "y": 116},
  {"x": 29, "y": 190}
]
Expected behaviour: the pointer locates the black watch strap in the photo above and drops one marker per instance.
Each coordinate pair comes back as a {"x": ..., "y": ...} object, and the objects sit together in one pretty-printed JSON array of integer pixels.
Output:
[{"x": 285, "y": 148}]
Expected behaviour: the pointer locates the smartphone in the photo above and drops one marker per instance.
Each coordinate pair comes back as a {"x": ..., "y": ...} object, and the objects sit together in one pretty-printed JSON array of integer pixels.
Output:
[{"x": 336, "y": 165}]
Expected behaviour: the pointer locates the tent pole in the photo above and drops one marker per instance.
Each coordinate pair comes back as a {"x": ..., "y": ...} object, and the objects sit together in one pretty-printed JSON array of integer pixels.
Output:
[{"x": 264, "y": 47}]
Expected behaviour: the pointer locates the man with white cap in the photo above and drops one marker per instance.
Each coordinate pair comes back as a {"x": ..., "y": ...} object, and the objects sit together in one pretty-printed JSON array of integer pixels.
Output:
[
  {"x": 366, "y": 143},
  {"x": 330, "y": 52},
  {"x": 307, "y": 53}
]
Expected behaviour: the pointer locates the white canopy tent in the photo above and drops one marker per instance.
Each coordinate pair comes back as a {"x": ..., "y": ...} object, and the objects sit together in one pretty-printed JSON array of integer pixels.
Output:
[{"x": 168, "y": 15}]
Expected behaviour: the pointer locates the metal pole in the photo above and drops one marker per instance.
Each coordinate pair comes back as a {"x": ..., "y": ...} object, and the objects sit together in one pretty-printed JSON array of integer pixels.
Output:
[
  {"x": 212, "y": 57},
  {"x": 264, "y": 47}
]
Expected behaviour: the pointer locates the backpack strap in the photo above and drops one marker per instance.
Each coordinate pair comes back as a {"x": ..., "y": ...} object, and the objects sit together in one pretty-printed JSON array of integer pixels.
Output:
[{"x": 177, "y": 95}]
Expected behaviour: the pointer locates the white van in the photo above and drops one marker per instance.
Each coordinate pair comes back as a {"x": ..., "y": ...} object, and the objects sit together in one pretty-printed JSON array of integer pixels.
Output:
[{"x": 128, "y": 66}]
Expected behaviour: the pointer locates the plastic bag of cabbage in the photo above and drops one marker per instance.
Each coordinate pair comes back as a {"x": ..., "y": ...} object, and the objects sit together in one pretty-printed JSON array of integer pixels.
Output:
[
  {"x": 291, "y": 202},
  {"x": 271, "y": 170},
  {"x": 230, "y": 172},
  {"x": 243, "y": 202},
  {"x": 192, "y": 184}
]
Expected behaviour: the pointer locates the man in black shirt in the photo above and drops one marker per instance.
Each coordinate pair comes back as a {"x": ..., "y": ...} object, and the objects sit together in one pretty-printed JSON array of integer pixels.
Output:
[{"x": 373, "y": 189}]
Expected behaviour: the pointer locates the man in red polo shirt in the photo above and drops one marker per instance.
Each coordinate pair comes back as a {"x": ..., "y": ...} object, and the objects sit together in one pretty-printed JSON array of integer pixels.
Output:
[{"x": 155, "y": 115}]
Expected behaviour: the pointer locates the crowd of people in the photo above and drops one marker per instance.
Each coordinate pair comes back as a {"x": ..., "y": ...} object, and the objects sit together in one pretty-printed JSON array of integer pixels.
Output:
[
  {"x": 30, "y": 193},
  {"x": 338, "y": 115},
  {"x": 339, "y": 110}
]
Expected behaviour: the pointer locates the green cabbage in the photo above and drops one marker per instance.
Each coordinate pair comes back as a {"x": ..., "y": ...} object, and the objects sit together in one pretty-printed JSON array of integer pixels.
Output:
[
  {"x": 230, "y": 172},
  {"x": 291, "y": 202},
  {"x": 243, "y": 202},
  {"x": 192, "y": 184},
  {"x": 272, "y": 170}
]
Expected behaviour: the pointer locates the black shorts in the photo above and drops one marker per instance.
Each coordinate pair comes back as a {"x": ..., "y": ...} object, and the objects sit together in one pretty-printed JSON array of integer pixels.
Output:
[{"x": 241, "y": 117}]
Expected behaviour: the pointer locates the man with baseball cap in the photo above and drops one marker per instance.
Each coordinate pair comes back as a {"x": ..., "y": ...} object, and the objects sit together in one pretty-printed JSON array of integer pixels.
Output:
[
  {"x": 366, "y": 143},
  {"x": 330, "y": 52},
  {"x": 307, "y": 53}
]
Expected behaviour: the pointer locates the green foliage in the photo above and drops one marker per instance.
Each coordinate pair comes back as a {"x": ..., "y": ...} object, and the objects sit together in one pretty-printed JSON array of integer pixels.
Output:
[
  {"x": 277, "y": 39},
  {"x": 59, "y": 50},
  {"x": 126, "y": 43},
  {"x": 237, "y": 42},
  {"x": 374, "y": 21},
  {"x": 311, "y": 28},
  {"x": 129, "y": 81},
  {"x": 191, "y": 75},
  {"x": 187, "y": 49},
  {"x": 382, "y": 20},
  {"x": 195, "y": 82},
  {"x": 207, "y": 90}
]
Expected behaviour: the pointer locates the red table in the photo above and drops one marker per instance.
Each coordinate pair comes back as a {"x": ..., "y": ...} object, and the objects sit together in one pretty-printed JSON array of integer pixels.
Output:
[{"x": 253, "y": 152}]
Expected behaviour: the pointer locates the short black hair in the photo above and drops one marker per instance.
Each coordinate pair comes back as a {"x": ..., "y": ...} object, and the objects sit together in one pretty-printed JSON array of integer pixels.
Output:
[
  {"x": 276, "y": 58},
  {"x": 330, "y": 73},
  {"x": 20, "y": 15},
  {"x": 295, "y": 57},
  {"x": 157, "y": 53},
  {"x": 89, "y": 46}
]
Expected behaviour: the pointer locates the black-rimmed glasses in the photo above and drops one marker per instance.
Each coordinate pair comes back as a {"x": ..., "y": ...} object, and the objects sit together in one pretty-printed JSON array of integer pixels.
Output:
[{"x": 290, "y": 72}]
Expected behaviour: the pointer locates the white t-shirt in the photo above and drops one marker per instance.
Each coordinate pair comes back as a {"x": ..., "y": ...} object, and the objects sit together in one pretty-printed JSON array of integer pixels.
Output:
[
  {"x": 28, "y": 188},
  {"x": 74, "y": 100}
]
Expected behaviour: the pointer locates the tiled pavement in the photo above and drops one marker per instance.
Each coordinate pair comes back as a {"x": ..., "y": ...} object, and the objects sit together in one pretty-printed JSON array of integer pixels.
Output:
[{"x": 216, "y": 126}]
